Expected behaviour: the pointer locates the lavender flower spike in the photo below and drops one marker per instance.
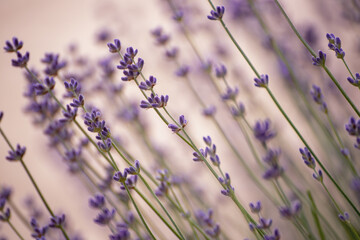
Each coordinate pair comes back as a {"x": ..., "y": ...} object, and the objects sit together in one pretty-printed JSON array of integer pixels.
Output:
[
  {"x": 217, "y": 14},
  {"x": 355, "y": 82},
  {"x": 21, "y": 60},
  {"x": 17, "y": 154},
  {"x": 319, "y": 61},
  {"x": 15, "y": 46},
  {"x": 308, "y": 159},
  {"x": 114, "y": 47},
  {"x": 262, "y": 82}
]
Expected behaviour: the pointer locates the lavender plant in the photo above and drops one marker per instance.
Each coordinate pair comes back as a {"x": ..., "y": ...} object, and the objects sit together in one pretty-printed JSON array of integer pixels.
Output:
[{"x": 177, "y": 144}]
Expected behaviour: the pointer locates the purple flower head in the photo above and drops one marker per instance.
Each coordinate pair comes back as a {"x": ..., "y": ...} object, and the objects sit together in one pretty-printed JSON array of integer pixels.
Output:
[
  {"x": 120, "y": 177},
  {"x": 162, "y": 189},
  {"x": 92, "y": 120},
  {"x": 220, "y": 71},
  {"x": 344, "y": 217},
  {"x": 335, "y": 45},
  {"x": 273, "y": 172},
  {"x": 72, "y": 87},
  {"x": 131, "y": 52},
  {"x": 355, "y": 82},
  {"x": 39, "y": 232},
  {"x": 2, "y": 204},
  {"x": 122, "y": 233},
  {"x": 274, "y": 236},
  {"x": 307, "y": 157},
  {"x": 130, "y": 182},
  {"x": 104, "y": 134},
  {"x": 226, "y": 183},
  {"x": 106, "y": 145},
  {"x": 15, "y": 46},
  {"x": 69, "y": 114},
  {"x": 148, "y": 84},
  {"x": 262, "y": 82},
  {"x": 318, "y": 176},
  {"x": 134, "y": 170},
  {"x": 353, "y": 127},
  {"x": 291, "y": 211},
  {"x": 264, "y": 223},
  {"x": 213, "y": 232},
  {"x": 172, "y": 53},
  {"x": 5, "y": 215},
  {"x": 239, "y": 110},
  {"x": 182, "y": 71},
  {"x": 320, "y": 60},
  {"x": 1, "y": 115},
  {"x": 318, "y": 98},
  {"x": 21, "y": 60},
  {"x": 255, "y": 208},
  {"x": 209, "y": 111},
  {"x": 16, "y": 154},
  {"x": 154, "y": 101},
  {"x": 198, "y": 157},
  {"x": 105, "y": 216},
  {"x": 272, "y": 157},
  {"x": 262, "y": 131},
  {"x": 73, "y": 155},
  {"x": 161, "y": 38},
  {"x": 114, "y": 47},
  {"x": 207, "y": 140},
  {"x": 5, "y": 193},
  {"x": 98, "y": 201},
  {"x": 230, "y": 94},
  {"x": 177, "y": 128},
  {"x": 178, "y": 15},
  {"x": 52, "y": 64},
  {"x": 217, "y": 14},
  {"x": 78, "y": 102},
  {"x": 57, "y": 221}
]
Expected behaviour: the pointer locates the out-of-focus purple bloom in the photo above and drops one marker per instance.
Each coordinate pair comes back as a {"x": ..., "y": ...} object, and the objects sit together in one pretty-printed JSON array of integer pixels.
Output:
[
  {"x": 5, "y": 193},
  {"x": 182, "y": 71},
  {"x": 98, "y": 201},
  {"x": 198, "y": 157},
  {"x": 53, "y": 65},
  {"x": 318, "y": 176},
  {"x": 105, "y": 216},
  {"x": 73, "y": 88},
  {"x": 264, "y": 223},
  {"x": 69, "y": 114},
  {"x": 15, "y": 46},
  {"x": 106, "y": 145},
  {"x": 291, "y": 211},
  {"x": 172, "y": 53},
  {"x": 263, "y": 132},
  {"x": 230, "y": 93},
  {"x": 16, "y": 154},
  {"x": 238, "y": 110},
  {"x": 226, "y": 183},
  {"x": 344, "y": 217},
  {"x": 353, "y": 127},
  {"x": 274, "y": 236},
  {"x": 21, "y": 60},
  {"x": 255, "y": 208},
  {"x": 209, "y": 111},
  {"x": 1, "y": 115},
  {"x": 220, "y": 71},
  {"x": 5, "y": 215},
  {"x": 217, "y": 14},
  {"x": 160, "y": 37},
  {"x": 130, "y": 182},
  {"x": 39, "y": 232},
  {"x": 318, "y": 98},
  {"x": 134, "y": 170}
]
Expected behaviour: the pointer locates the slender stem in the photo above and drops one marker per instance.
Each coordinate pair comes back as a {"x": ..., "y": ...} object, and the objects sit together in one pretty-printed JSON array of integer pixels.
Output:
[
  {"x": 314, "y": 212},
  {"x": 138, "y": 211},
  {"x": 311, "y": 151},
  {"x": 314, "y": 55},
  {"x": 33, "y": 182},
  {"x": 15, "y": 230},
  {"x": 19, "y": 214},
  {"x": 347, "y": 67}
]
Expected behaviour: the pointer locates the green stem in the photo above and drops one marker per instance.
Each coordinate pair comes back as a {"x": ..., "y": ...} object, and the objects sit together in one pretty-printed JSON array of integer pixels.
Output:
[
  {"x": 33, "y": 183},
  {"x": 15, "y": 230},
  {"x": 311, "y": 151},
  {"x": 138, "y": 211},
  {"x": 347, "y": 67},
  {"x": 314, "y": 55},
  {"x": 314, "y": 212}
]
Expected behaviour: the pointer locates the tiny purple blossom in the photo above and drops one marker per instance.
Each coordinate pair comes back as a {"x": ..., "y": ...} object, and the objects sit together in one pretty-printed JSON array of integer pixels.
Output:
[
  {"x": 148, "y": 84},
  {"x": 1, "y": 115},
  {"x": 355, "y": 82},
  {"x": 182, "y": 71},
  {"x": 98, "y": 201},
  {"x": 320, "y": 60},
  {"x": 134, "y": 170},
  {"x": 217, "y": 14},
  {"x": 318, "y": 98},
  {"x": 16, "y": 154},
  {"x": 114, "y": 47},
  {"x": 209, "y": 111},
  {"x": 105, "y": 216},
  {"x": 230, "y": 93},
  {"x": 263, "y": 132},
  {"x": 57, "y": 221},
  {"x": 220, "y": 71},
  {"x": 263, "y": 81},
  {"x": 255, "y": 208},
  {"x": 344, "y": 217},
  {"x": 15, "y": 46},
  {"x": 21, "y": 60},
  {"x": 353, "y": 127},
  {"x": 307, "y": 157}
]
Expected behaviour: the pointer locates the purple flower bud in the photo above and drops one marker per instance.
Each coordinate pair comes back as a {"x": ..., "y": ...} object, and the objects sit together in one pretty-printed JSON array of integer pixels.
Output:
[
  {"x": 262, "y": 82},
  {"x": 217, "y": 14},
  {"x": 307, "y": 157},
  {"x": 320, "y": 60},
  {"x": 57, "y": 221},
  {"x": 255, "y": 208},
  {"x": 21, "y": 60},
  {"x": 15, "y": 46},
  {"x": 114, "y": 47},
  {"x": 98, "y": 201},
  {"x": 209, "y": 111},
  {"x": 17, "y": 154},
  {"x": 355, "y": 82},
  {"x": 220, "y": 71},
  {"x": 344, "y": 217},
  {"x": 105, "y": 216}
]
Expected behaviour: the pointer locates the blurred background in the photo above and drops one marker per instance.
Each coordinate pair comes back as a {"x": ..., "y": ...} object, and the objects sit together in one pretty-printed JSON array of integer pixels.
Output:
[{"x": 60, "y": 26}]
